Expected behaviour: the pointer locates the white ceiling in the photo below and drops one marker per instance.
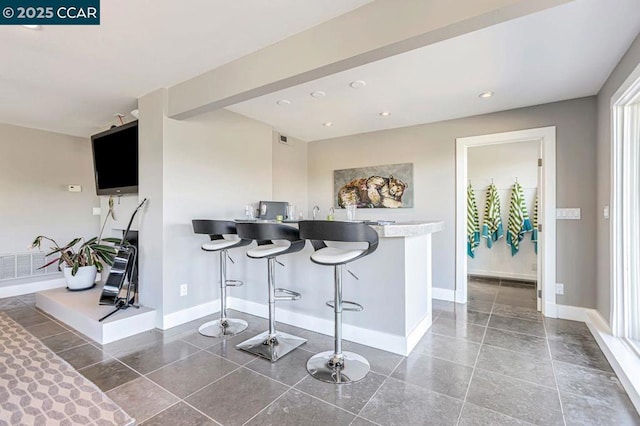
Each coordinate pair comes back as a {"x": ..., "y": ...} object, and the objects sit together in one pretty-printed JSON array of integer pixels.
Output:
[
  {"x": 561, "y": 53},
  {"x": 72, "y": 79}
]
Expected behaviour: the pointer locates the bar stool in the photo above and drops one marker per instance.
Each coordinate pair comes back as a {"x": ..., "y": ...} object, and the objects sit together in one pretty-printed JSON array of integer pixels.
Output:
[
  {"x": 337, "y": 366},
  {"x": 272, "y": 344},
  {"x": 217, "y": 229}
]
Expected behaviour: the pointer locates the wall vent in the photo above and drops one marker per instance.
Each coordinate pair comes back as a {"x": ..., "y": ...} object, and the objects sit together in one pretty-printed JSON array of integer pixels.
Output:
[{"x": 24, "y": 265}]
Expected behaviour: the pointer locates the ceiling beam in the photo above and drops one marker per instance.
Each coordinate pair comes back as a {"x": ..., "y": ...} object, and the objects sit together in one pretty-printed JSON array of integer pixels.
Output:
[{"x": 370, "y": 33}]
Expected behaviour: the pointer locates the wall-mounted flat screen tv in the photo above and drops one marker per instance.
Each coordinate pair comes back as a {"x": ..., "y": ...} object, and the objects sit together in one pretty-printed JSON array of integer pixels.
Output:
[{"x": 115, "y": 160}]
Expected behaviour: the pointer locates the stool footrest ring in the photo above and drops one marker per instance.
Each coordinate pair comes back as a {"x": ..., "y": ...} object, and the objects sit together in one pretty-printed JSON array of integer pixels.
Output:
[
  {"x": 347, "y": 306},
  {"x": 284, "y": 294},
  {"x": 234, "y": 283}
]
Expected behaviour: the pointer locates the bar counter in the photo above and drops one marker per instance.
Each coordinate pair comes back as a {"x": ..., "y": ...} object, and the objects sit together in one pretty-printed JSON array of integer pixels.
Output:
[{"x": 394, "y": 286}]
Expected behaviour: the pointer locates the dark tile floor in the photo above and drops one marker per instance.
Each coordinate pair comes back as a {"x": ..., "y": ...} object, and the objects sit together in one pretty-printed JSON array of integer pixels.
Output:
[{"x": 495, "y": 361}]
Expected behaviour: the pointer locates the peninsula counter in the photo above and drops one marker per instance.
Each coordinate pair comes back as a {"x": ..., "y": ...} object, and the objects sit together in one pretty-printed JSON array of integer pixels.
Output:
[{"x": 394, "y": 286}]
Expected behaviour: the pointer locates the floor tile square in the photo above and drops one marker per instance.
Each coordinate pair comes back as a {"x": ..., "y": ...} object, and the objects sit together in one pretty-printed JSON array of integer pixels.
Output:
[
  {"x": 457, "y": 329},
  {"x": 381, "y": 362},
  {"x": 237, "y": 397},
  {"x": 521, "y": 312},
  {"x": 568, "y": 331},
  {"x": 27, "y": 316},
  {"x": 517, "y": 365},
  {"x": 514, "y": 398},
  {"x": 472, "y": 415},
  {"x": 351, "y": 397},
  {"x": 83, "y": 356},
  {"x": 289, "y": 369},
  {"x": 401, "y": 403},
  {"x": 141, "y": 398},
  {"x": 63, "y": 341},
  {"x": 457, "y": 350},
  {"x": 517, "y": 325},
  {"x": 109, "y": 374},
  {"x": 435, "y": 374},
  {"x": 295, "y": 408},
  {"x": 179, "y": 414},
  {"x": 184, "y": 377},
  {"x": 156, "y": 356},
  {"x": 584, "y": 354},
  {"x": 582, "y": 410},
  {"x": 46, "y": 329},
  {"x": 466, "y": 314},
  {"x": 524, "y": 343},
  {"x": 227, "y": 349},
  {"x": 602, "y": 385}
]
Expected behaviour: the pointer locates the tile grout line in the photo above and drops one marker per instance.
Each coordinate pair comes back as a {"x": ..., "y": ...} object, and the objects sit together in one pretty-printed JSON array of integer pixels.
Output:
[
  {"x": 380, "y": 387},
  {"x": 555, "y": 377},
  {"x": 475, "y": 364}
]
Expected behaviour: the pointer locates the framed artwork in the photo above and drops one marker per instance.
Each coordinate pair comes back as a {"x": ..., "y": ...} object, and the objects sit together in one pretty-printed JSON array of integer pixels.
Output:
[{"x": 388, "y": 186}]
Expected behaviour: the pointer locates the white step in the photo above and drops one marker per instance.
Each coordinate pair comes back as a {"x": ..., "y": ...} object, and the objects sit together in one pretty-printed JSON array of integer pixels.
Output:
[{"x": 80, "y": 310}]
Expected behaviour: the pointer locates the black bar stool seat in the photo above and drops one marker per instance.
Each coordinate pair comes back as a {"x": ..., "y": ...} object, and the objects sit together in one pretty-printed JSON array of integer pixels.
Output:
[
  {"x": 221, "y": 233},
  {"x": 272, "y": 344},
  {"x": 338, "y": 366}
]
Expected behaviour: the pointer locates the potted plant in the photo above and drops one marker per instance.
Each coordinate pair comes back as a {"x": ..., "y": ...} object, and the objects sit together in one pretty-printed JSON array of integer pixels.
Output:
[{"x": 81, "y": 260}]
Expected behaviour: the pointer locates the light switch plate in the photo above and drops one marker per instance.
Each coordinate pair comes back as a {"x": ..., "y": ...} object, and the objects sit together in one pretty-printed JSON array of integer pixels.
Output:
[
  {"x": 75, "y": 188},
  {"x": 605, "y": 212},
  {"x": 568, "y": 214},
  {"x": 96, "y": 211}
]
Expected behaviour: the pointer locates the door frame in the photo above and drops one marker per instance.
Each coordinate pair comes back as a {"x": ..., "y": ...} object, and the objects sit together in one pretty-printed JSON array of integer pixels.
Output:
[{"x": 546, "y": 215}]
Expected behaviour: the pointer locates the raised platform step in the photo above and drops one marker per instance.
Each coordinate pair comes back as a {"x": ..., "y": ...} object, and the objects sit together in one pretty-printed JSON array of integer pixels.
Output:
[{"x": 80, "y": 310}]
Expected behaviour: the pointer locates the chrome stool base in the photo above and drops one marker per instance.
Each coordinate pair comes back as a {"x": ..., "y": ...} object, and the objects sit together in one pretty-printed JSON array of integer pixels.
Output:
[
  {"x": 271, "y": 349},
  {"x": 354, "y": 367},
  {"x": 222, "y": 328}
]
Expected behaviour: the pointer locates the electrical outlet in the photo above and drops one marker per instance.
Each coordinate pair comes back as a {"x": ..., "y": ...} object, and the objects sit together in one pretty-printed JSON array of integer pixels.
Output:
[
  {"x": 183, "y": 289},
  {"x": 534, "y": 266},
  {"x": 559, "y": 288}
]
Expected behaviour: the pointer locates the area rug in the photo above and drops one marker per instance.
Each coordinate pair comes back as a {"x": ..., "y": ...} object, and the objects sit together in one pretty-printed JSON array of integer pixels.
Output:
[{"x": 37, "y": 387}]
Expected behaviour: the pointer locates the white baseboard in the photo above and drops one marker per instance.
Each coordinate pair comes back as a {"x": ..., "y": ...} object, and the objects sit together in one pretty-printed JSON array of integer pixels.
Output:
[
  {"x": 32, "y": 287},
  {"x": 623, "y": 359},
  {"x": 507, "y": 275},
  {"x": 446, "y": 294},
  {"x": 389, "y": 342},
  {"x": 573, "y": 313},
  {"x": 418, "y": 332},
  {"x": 185, "y": 315}
]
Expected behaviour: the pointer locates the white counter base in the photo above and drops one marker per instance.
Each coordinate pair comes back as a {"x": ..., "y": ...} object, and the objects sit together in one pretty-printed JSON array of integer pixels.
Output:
[
  {"x": 80, "y": 310},
  {"x": 401, "y": 345}
]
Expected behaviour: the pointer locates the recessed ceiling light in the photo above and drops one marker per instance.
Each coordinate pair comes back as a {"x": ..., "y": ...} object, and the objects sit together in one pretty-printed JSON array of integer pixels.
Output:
[
  {"x": 485, "y": 95},
  {"x": 384, "y": 114},
  {"x": 33, "y": 27},
  {"x": 358, "y": 84},
  {"x": 283, "y": 102},
  {"x": 318, "y": 94},
  {"x": 327, "y": 123}
]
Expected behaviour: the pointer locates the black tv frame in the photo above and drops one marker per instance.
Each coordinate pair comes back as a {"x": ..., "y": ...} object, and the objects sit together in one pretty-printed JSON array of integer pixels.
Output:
[{"x": 117, "y": 190}]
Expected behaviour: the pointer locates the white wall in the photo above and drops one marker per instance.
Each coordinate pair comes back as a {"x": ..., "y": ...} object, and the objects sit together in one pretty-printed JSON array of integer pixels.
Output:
[
  {"x": 290, "y": 172},
  {"x": 503, "y": 163},
  {"x": 35, "y": 168},
  {"x": 431, "y": 148},
  {"x": 214, "y": 165}
]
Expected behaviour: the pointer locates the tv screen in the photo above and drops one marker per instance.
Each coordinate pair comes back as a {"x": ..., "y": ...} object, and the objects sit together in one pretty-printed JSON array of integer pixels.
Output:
[{"x": 115, "y": 160}]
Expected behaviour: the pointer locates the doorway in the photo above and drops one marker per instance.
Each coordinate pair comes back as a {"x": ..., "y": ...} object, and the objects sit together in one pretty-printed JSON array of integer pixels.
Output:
[{"x": 544, "y": 138}]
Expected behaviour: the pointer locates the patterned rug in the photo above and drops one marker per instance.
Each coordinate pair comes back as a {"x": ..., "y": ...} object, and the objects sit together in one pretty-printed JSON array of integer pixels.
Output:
[{"x": 39, "y": 388}]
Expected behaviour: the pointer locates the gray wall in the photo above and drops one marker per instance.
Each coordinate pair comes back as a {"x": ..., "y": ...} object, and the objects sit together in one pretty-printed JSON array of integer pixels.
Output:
[
  {"x": 431, "y": 147},
  {"x": 35, "y": 168},
  {"x": 624, "y": 68},
  {"x": 289, "y": 167}
]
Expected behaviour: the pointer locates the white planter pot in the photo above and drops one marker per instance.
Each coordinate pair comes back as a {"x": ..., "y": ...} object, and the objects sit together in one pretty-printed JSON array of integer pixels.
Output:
[{"x": 85, "y": 277}]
